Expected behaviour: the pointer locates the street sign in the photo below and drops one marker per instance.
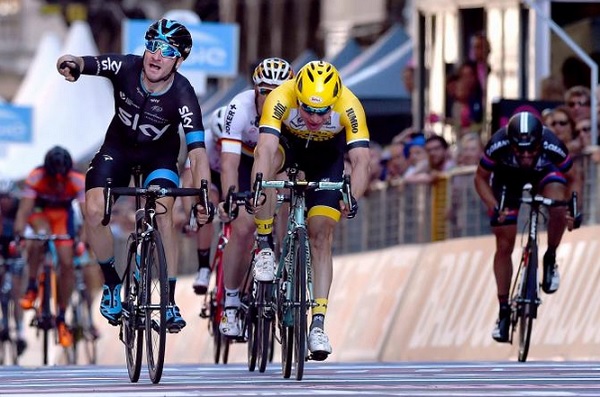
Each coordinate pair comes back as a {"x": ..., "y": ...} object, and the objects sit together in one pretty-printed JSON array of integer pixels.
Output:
[{"x": 15, "y": 123}]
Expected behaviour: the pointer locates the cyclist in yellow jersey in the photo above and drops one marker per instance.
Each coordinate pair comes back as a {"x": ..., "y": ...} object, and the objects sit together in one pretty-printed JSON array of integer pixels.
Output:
[{"x": 311, "y": 121}]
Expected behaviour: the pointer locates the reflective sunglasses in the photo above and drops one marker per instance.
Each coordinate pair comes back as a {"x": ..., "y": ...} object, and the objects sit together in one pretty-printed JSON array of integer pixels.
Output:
[
  {"x": 313, "y": 110},
  {"x": 166, "y": 49},
  {"x": 263, "y": 90},
  {"x": 562, "y": 123},
  {"x": 583, "y": 129},
  {"x": 572, "y": 104}
]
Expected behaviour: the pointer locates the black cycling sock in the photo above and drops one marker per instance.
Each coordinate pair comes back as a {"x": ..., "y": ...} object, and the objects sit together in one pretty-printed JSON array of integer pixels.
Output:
[
  {"x": 265, "y": 241},
  {"x": 550, "y": 257},
  {"x": 111, "y": 277},
  {"x": 318, "y": 321},
  {"x": 172, "y": 282},
  {"x": 203, "y": 258}
]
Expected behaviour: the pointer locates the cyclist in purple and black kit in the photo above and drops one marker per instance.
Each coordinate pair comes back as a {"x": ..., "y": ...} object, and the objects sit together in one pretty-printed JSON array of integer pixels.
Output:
[
  {"x": 151, "y": 101},
  {"x": 524, "y": 152}
]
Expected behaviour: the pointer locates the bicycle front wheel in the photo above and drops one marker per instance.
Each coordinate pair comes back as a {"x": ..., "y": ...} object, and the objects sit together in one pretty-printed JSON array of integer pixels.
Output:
[
  {"x": 132, "y": 330},
  {"x": 529, "y": 294},
  {"x": 156, "y": 293},
  {"x": 300, "y": 302},
  {"x": 264, "y": 324}
]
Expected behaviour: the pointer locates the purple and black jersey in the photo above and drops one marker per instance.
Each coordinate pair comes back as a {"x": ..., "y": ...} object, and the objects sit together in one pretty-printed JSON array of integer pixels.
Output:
[{"x": 498, "y": 153}]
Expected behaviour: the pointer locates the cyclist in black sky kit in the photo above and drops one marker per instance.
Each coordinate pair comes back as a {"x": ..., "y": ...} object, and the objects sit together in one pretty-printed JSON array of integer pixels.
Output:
[{"x": 152, "y": 100}]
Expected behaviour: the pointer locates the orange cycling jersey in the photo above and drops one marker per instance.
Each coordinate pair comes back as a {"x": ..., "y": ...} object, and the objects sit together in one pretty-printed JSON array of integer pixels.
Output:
[
  {"x": 53, "y": 197},
  {"x": 281, "y": 107}
]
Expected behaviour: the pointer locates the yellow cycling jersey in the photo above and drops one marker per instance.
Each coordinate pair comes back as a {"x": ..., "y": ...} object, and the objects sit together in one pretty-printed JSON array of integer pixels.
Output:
[{"x": 281, "y": 106}]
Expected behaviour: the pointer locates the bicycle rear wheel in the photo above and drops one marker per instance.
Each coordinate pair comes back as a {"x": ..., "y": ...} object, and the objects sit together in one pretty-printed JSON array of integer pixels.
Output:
[
  {"x": 132, "y": 330},
  {"x": 155, "y": 305},
  {"x": 251, "y": 327},
  {"x": 529, "y": 308},
  {"x": 285, "y": 319},
  {"x": 300, "y": 303}
]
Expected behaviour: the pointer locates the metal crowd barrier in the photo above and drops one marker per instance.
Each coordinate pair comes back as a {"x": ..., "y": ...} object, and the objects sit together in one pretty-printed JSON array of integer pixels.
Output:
[{"x": 410, "y": 213}]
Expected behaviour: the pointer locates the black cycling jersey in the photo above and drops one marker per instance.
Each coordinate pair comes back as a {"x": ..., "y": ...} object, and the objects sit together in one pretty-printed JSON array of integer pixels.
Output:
[
  {"x": 552, "y": 163},
  {"x": 144, "y": 129},
  {"x": 498, "y": 154}
]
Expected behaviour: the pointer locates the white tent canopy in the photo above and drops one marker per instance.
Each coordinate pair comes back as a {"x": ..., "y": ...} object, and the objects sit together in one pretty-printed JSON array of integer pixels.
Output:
[{"x": 73, "y": 115}]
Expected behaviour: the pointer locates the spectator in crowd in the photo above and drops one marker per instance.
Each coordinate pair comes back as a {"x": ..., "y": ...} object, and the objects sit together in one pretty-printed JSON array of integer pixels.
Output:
[
  {"x": 479, "y": 52},
  {"x": 583, "y": 130},
  {"x": 438, "y": 154},
  {"x": 470, "y": 150},
  {"x": 414, "y": 151},
  {"x": 467, "y": 109},
  {"x": 578, "y": 99},
  {"x": 396, "y": 163},
  {"x": 560, "y": 121},
  {"x": 377, "y": 168}
]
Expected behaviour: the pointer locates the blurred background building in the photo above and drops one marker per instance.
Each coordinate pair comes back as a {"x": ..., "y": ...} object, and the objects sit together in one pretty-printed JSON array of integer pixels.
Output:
[{"x": 402, "y": 58}]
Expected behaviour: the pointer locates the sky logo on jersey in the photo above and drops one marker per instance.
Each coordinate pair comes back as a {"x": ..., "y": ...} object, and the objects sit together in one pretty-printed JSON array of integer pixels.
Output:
[
  {"x": 186, "y": 117},
  {"x": 109, "y": 64},
  {"x": 215, "y": 49}
]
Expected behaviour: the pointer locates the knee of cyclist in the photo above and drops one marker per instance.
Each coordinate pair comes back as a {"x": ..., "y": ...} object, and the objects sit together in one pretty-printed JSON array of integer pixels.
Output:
[{"x": 93, "y": 215}]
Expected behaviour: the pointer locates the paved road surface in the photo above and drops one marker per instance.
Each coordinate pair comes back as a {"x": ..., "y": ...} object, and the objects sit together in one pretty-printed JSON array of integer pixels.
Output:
[{"x": 325, "y": 379}]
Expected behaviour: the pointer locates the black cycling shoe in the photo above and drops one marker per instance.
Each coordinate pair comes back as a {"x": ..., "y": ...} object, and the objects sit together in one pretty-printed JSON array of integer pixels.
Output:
[
  {"x": 550, "y": 276},
  {"x": 500, "y": 332},
  {"x": 21, "y": 346}
]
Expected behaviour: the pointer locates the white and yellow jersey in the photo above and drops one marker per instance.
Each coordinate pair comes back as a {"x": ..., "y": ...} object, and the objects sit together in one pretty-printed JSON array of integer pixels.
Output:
[{"x": 281, "y": 106}]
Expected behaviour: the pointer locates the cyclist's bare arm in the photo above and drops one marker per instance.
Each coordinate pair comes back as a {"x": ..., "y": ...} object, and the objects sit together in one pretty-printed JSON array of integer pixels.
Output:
[
  {"x": 72, "y": 62},
  {"x": 200, "y": 168},
  {"x": 264, "y": 156},
  {"x": 26, "y": 205},
  {"x": 360, "y": 159},
  {"x": 574, "y": 184},
  {"x": 483, "y": 187}
]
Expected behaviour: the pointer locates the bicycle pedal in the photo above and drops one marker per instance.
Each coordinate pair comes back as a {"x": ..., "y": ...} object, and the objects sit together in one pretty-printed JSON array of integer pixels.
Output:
[
  {"x": 173, "y": 330},
  {"x": 318, "y": 356}
]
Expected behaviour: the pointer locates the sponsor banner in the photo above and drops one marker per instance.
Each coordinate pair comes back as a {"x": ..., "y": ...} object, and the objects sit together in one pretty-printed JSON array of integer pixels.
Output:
[
  {"x": 215, "y": 49},
  {"x": 15, "y": 123}
]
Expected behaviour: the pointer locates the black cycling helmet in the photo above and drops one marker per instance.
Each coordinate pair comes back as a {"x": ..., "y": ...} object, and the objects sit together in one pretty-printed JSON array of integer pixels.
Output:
[
  {"x": 525, "y": 131},
  {"x": 171, "y": 32},
  {"x": 58, "y": 161}
]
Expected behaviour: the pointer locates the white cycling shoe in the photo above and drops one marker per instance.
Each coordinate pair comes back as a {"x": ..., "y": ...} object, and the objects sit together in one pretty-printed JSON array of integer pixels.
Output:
[
  {"x": 318, "y": 344},
  {"x": 264, "y": 265},
  {"x": 230, "y": 324},
  {"x": 201, "y": 282}
]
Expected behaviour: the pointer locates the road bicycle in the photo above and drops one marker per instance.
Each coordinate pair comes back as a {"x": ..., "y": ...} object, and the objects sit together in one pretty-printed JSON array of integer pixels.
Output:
[
  {"x": 11, "y": 347},
  {"x": 145, "y": 282},
  {"x": 81, "y": 321},
  {"x": 44, "y": 319},
  {"x": 294, "y": 296},
  {"x": 525, "y": 293},
  {"x": 214, "y": 303},
  {"x": 213, "y": 306}
]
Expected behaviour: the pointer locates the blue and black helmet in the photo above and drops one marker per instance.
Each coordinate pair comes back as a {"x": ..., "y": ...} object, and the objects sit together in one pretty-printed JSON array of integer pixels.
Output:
[{"x": 171, "y": 32}]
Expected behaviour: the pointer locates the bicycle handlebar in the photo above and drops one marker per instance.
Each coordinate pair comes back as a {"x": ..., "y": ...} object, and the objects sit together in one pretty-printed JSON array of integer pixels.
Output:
[
  {"x": 344, "y": 186},
  {"x": 152, "y": 191}
]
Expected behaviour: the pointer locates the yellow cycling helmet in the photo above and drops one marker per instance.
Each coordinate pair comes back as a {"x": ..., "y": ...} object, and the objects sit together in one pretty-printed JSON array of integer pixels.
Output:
[{"x": 318, "y": 84}]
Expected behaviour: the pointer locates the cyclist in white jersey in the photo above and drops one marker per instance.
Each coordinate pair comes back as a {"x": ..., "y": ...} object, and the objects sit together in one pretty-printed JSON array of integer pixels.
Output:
[
  {"x": 204, "y": 235},
  {"x": 238, "y": 142}
]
